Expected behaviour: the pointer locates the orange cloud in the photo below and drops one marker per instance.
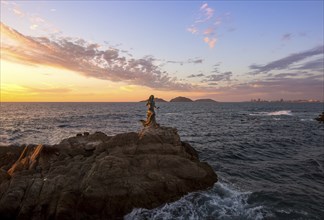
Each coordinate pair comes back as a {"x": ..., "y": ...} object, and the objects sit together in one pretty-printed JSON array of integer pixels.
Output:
[
  {"x": 205, "y": 17},
  {"x": 86, "y": 59},
  {"x": 210, "y": 41}
]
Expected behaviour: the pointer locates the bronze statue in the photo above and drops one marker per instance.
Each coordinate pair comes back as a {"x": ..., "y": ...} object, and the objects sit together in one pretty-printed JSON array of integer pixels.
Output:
[{"x": 150, "y": 114}]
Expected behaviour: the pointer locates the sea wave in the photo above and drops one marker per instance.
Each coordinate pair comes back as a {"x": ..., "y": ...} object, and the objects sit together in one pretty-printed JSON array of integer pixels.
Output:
[
  {"x": 221, "y": 202},
  {"x": 274, "y": 113}
]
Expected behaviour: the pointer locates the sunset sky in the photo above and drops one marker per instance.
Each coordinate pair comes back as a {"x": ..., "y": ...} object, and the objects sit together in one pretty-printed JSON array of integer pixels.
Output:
[{"x": 106, "y": 51}]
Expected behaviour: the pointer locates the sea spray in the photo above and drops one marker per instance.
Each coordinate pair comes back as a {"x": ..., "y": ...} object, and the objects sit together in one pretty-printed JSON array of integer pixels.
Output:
[{"x": 220, "y": 202}]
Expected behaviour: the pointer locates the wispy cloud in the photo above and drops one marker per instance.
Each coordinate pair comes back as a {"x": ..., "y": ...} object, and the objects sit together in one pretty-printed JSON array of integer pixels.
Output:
[
  {"x": 34, "y": 21},
  {"x": 113, "y": 64},
  {"x": 207, "y": 24},
  {"x": 87, "y": 59},
  {"x": 190, "y": 60},
  {"x": 226, "y": 76},
  {"x": 196, "y": 75},
  {"x": 192, "y": 30},
  {"x": 286, "y": 62},
  {"x": 287, "y": 88},
  {"x": 286, "y": 37},
  {"x": 210, "y": 41},
  {"x": 313, "y": 65},
  {"x": 206, "y": 13},
  {"x": 196, "y": 61},
  {"x": 18, "y": 12}
]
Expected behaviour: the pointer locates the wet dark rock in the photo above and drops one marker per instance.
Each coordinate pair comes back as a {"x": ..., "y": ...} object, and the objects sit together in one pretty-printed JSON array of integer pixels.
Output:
[
  {"x": 99, "y": 177},
  {"x": 320, "y": 118}
]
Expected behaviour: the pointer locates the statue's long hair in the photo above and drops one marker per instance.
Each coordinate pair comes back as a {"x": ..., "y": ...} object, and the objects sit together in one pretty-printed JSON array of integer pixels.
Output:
[{"x": 150, "y": 100}]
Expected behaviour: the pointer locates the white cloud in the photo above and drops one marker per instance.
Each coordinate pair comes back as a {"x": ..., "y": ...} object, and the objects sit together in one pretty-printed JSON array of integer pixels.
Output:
[
  {"x": 18, "y": 12},
  {"x": 33, "y": 27}
]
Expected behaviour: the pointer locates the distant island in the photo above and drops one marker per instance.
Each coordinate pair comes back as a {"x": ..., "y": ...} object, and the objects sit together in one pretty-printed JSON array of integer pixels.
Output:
[{"x": 181, "y": 99}]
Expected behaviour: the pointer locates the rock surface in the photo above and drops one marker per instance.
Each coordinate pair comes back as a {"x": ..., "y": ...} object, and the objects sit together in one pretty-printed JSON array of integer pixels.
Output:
[
  {"x": 320, "y": 118},
  {"x": 94, "y": 176},
  {"x": 181, "y": 99}
]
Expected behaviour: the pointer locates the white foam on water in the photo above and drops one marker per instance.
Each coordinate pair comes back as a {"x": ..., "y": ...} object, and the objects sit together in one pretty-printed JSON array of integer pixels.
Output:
[
  {"x": 221, "y": 202},
  {"x": 306, "y": 119},
  {"x": 283, "y": 112},
  {"x": 274, "y": 113}
]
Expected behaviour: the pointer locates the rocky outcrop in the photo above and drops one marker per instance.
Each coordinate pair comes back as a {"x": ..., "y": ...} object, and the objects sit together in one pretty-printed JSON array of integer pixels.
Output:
[
  {"x": 93, "y": 176},
  {"x": 320, "y": 118},
  {"x": 181, "y": 99}
]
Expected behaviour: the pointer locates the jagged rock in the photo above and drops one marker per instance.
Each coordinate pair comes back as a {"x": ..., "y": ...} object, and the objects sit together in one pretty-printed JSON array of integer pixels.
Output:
[
  {"x": 99, "y": 177},
  {"x": 320, "y": 118}
]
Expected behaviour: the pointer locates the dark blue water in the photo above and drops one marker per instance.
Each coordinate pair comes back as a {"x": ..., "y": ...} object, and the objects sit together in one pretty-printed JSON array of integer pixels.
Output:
[{"x": 269, "y": 156}]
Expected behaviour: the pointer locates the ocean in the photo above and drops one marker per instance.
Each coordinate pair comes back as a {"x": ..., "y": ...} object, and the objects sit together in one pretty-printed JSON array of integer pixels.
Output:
[{"x": 269, "y": 157}]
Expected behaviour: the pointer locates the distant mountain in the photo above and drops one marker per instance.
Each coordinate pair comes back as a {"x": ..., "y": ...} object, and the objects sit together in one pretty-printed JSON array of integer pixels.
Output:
[
  {"x": 205, "y": 100},
  {"x": 181, "y": 99},
  {"x": 156, "y": 100}
]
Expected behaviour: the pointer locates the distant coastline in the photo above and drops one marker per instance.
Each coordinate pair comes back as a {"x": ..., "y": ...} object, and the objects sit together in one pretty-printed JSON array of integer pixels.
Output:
[
  {"x": 289, "y": 101},
  {"x": 163, "y": 100},
  {"x": 182, "y": 99},
  {"x": 186, "y": 99}
]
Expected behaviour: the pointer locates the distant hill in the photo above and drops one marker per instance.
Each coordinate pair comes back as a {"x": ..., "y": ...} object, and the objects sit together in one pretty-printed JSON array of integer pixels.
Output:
[
  {"x": 181, "y": 99},
  {"x": 205, "y": 100},
  {"x": 156, "y": 100}
]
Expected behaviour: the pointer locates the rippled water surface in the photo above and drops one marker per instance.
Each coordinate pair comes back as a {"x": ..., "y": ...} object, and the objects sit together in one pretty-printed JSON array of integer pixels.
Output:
[{"x": 269, "y": 156}]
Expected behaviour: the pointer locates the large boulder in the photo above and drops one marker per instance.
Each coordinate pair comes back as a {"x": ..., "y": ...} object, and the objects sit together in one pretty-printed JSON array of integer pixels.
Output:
[
  {"x": 320, "y": 118},
  {"x": 99, "y": 177}
]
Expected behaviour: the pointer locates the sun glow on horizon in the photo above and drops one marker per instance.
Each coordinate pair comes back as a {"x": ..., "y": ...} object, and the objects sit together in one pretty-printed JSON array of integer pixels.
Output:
[
  {"x": 48, "y": 58},
  {"x": 39, "y": 83}
]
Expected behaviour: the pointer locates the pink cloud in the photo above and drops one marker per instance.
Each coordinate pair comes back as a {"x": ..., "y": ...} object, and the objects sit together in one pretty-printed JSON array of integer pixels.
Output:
[
  {"x": 207, "y": 12},
  {"x": 192, "y": 30},
  {"x": 18, "y": 12},
  {"x": 210, "y": 41},
  {"x": 209, "y": 34},
  {"x": 209, "y": 31},
  {"x": 87, "y": 59},
  {"x": 203, "y": 6}
]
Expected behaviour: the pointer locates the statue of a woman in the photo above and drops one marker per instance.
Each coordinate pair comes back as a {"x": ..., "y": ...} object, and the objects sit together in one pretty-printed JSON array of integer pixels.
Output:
[{"x": 150, "y": 114}]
